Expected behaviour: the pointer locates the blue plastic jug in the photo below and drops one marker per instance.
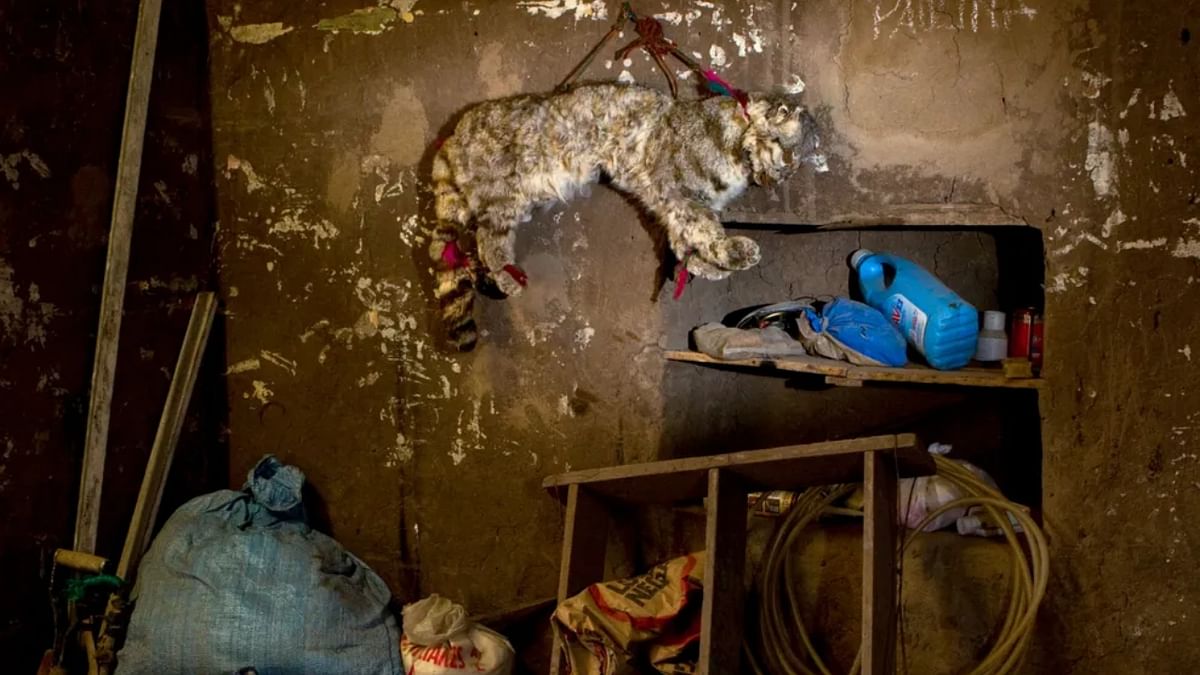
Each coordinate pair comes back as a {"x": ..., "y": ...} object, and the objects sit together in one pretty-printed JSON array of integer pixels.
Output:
[{"x": 941, "y": 325}]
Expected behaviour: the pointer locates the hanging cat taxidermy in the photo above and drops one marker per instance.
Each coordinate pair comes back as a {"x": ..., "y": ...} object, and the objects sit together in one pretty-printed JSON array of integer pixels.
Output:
[{"x": 682, "y": 160}]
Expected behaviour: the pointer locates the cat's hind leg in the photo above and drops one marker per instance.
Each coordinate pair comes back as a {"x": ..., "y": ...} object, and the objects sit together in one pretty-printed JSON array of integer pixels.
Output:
[{"x": 496, "y": 238}]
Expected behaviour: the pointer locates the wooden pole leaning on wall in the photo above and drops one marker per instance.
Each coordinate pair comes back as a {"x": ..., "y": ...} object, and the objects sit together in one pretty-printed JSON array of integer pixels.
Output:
[
  {"x": 158, "y": 466},
  {"x": 116, "y": 268},
  {"x": 162, "y": 453}
]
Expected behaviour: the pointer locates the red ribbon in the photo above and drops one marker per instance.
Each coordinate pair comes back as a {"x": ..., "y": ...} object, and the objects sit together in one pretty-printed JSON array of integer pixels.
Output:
[
  {"x": 729, "y": 90},
  {"x": 453, "y": 256},
  {"x": 517, "y": 274},
  {"x": 681, "y": 279}
]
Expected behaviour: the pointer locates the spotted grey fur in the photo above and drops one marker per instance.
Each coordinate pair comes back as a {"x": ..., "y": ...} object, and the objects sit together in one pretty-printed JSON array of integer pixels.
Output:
[{"x": 683, "y": 160}]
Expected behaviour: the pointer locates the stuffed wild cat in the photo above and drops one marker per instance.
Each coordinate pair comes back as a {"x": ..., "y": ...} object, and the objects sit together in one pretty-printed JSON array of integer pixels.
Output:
[{"x": 683, "y": 160}]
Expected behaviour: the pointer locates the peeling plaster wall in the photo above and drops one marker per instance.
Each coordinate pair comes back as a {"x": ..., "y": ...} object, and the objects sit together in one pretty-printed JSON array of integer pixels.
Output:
[
  {"x": 323, "y": 234},
  {"x": 63, "y": 70},
  {"x": 1122, "y": 473},
  {"x": 1072, "y": 117}
]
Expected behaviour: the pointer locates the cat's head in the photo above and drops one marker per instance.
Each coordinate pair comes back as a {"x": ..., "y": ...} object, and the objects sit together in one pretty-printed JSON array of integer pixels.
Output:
[{"x": 782, "y": 135}]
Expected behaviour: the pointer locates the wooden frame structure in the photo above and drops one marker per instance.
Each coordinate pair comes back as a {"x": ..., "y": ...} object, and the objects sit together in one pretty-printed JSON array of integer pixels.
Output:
[
  {"x": 843, "y": 374},
  {"x": 725, "y": 480}
]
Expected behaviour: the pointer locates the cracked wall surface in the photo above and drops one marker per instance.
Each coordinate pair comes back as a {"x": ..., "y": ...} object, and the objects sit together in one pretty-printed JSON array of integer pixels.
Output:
[{"x": 1071, "y": 117}]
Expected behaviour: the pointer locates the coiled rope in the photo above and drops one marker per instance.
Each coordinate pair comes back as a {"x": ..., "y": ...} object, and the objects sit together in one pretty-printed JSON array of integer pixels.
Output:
[{"x": 785, "y": 647}]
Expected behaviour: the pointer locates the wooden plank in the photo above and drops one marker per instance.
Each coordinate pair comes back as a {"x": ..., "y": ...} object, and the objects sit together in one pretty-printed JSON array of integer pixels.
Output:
[
  {"x": 879, "y": 564},
  {"x": 792, "y": 364},
  {"x": 723, "y": 612},
  {"x": 116, "y": 267},
  {"x": 841, "y": 373},
  {"x": 585, "y": 540},
  {"x": 955, "y": 215},
  {"x": 1017, "y": 367},
  {"x": 963, "y": 377},
  {"x": 842, "y": 381},
  {"x": 145, "y": 512},
  {"x": 694, "y": 470},
  {"x": 791, "y": 467}
]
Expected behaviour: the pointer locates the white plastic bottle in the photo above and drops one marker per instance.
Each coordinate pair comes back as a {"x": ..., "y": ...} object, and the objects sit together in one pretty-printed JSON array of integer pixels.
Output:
[{"x": 993, "y": 343}]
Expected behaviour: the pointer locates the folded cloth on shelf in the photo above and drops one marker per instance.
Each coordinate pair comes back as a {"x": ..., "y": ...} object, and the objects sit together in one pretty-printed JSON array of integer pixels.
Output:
[{"x": 723, "y": 342}]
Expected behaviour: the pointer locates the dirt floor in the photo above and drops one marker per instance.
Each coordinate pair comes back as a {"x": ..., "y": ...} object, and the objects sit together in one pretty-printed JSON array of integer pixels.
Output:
[{"x": 1073, "y": 118}]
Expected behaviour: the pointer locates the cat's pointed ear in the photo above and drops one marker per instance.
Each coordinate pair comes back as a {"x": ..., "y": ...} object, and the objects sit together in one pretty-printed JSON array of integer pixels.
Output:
[
  {"x": 790, "y": 106},
  {"x": 782, "y": 112}
]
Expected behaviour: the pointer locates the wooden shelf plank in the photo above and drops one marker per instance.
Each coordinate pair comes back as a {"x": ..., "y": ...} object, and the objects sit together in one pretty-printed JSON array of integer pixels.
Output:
[
  {"x": 792, "y": 467},
  {"x": 953, "y": 215},
  {"x": 845, "y": 374}
]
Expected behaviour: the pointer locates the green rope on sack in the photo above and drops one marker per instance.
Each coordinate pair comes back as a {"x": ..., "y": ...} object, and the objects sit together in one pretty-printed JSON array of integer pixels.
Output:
[{"x": 78, "y": 588}]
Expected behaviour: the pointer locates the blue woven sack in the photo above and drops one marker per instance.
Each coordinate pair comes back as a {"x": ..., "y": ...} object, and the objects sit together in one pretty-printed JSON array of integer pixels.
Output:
[
  {"x": 239, "y": 580},
  {"x": 852, "y": 331}
]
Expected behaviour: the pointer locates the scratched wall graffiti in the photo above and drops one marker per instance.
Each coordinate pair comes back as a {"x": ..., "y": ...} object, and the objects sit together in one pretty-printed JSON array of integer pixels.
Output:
[{"x": 892, "y": 17}]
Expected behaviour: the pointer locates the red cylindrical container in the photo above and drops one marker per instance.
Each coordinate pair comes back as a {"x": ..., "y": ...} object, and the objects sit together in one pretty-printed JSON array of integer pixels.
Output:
[
  {"x": 1022, "y": 331},
  {"x": 1036, "y": 339}
]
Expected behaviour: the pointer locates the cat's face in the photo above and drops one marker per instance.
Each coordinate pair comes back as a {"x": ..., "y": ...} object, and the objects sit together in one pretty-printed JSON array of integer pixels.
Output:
[{"x": 781, "y": 137}]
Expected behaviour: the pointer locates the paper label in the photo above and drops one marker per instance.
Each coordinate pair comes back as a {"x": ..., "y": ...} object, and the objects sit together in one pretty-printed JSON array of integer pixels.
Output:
[{"x": 910, "y": 319}]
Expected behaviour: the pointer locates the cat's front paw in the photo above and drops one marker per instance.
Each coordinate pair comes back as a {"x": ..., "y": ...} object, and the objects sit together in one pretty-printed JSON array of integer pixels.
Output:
[
  {"x": 699, "y": 267},
  {"x": 508, "y": 283},
  {"x": 733, "y": 253}
]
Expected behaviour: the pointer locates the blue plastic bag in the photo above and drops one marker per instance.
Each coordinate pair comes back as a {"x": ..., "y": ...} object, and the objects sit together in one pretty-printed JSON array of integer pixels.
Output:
[
  {"x": 239, "y": 579},
  {"x": 852, "y": 331}
]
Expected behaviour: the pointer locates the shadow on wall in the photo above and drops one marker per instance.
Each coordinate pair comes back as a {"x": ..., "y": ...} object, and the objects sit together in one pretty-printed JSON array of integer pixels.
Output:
[
  {"x": 173, "y": 256},
  {"x": 71, "y": 61}
]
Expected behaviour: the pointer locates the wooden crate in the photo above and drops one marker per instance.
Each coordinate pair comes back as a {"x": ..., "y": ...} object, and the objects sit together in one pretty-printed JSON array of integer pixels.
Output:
[{"x": 725, "y": 480}]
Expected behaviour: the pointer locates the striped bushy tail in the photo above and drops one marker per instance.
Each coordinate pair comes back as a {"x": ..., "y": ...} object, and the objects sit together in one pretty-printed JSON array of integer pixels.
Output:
[{"x": 454, "y": 275}]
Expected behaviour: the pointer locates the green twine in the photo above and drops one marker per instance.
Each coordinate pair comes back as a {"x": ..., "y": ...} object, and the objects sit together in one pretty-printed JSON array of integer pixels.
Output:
[{"x": 77, "y": 588}]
